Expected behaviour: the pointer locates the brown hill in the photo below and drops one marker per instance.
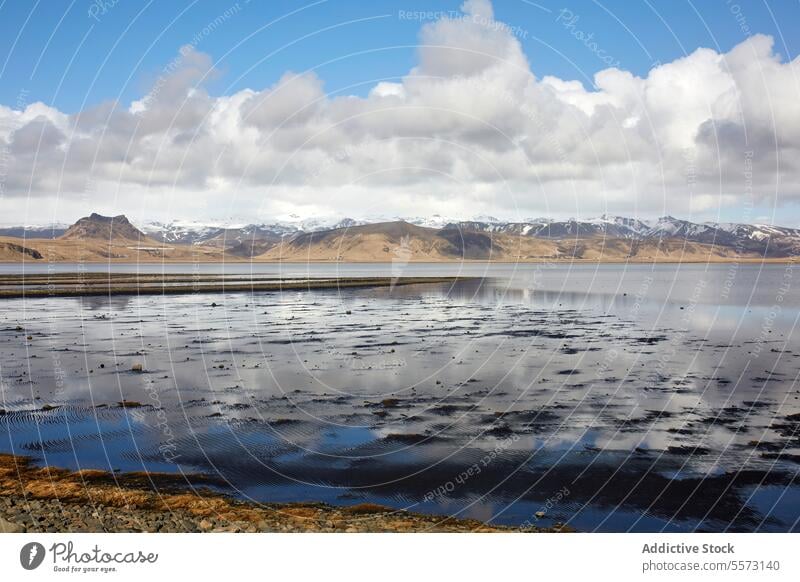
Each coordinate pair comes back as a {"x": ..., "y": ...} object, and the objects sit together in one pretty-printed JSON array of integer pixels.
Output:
[
  {"x": 11, "y": 251},
  {"x": 106, "y": 228},
  {"x": 385, "y": 241},
  {"x": 102, "y": 238},
  {"x": 370, "y": 242}
]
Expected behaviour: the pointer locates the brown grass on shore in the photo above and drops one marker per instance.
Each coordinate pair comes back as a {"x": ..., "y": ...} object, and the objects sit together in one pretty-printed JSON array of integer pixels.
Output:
[
  {"x": 160, "y": 492},
  {"x": 18, "y": 476}
]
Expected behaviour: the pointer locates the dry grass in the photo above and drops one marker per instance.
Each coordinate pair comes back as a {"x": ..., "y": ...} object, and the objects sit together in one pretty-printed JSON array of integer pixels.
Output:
[
  {"x": 161, "y": 492},
  {"x": 19, "y": 477}
]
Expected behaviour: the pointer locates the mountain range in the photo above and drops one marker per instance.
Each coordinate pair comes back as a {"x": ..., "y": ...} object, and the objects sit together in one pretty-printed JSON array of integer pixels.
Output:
[
  {"x": 610, "y": 238},
  {"x": 746, "y": 238}
]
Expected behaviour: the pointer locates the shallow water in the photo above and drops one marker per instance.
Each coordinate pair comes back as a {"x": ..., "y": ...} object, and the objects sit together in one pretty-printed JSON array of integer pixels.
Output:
[{"x": 611, "y": 397}]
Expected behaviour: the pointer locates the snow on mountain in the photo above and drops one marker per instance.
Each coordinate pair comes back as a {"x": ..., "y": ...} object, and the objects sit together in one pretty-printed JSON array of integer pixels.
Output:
[
  {"x": 709, "y": 232},
  {"x": 613, "y": 226},
  {"x": 631, "y": 225},
  {"x": 296, "y": 223},
  {"x": 433, "y": 221},
  {"x": 758, "y": 232},
  {"x": 180, "y": 232},
  {"x": 195, "y": 232},
  {"x": 233, "y": 233},
  {"x": 34, "y": 231},
  {"x": 486, "y": 218}
]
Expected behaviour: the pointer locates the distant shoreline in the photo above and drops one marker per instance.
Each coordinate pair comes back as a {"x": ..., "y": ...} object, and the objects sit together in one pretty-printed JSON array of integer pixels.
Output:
[
  {"x": 538, "y": 261},
  {"x": 78, "y": 285}
]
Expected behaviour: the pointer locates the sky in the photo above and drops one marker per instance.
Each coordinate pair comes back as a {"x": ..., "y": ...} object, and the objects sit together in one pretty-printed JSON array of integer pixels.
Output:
[{"x": 256, "y": 111}]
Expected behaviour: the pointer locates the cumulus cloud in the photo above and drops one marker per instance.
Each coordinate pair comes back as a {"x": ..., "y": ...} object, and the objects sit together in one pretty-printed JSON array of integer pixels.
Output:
[{"x": 470, "y": 129}]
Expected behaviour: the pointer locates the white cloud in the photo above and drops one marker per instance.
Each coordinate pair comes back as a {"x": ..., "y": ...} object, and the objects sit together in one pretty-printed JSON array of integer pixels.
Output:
[
  {"x": 386, "y": 89},
  {"x": 470, "y": 129}
]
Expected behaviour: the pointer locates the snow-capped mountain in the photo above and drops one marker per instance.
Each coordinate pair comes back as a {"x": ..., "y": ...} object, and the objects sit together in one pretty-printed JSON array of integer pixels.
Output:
[
  {"x": 624, "y": 224},
  {"x": 748, "y": 236},
  {"x": 758, "y": 232},
  {"x": 757, "y": 238},
  {"x": 669, "y": 227},
  {"x": 613, "y": 226},
  {"x": 34, "y": 231},
  {"x": 246, "y": 239},
  {"x": 180, "y": 232},
  {"x": 227, "y": 236},
  {"x": 187, "y": 232},
  {"x": 433, "y": 221},
  {"x": 231, "y": 234}
]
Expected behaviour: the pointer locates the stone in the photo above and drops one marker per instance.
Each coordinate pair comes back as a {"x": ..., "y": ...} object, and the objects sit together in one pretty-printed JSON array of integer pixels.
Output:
[{"x": 10, "y": 527}]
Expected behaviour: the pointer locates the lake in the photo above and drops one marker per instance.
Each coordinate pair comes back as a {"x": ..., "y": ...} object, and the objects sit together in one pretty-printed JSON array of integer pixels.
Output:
[{"x": 607, "y": 397}]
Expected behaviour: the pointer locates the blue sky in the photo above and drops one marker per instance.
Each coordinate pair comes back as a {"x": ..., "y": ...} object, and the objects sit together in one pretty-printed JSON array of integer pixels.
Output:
[
  {"x": 61, "y": 56},
  {"x": 400, "y": 108}
]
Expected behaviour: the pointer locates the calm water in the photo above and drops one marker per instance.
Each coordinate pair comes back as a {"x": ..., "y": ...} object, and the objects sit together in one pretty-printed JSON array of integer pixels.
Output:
[{"x": 610, "y": 397}]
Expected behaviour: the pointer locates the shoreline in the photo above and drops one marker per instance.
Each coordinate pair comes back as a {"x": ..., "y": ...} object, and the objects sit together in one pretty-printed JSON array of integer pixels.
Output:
[
  {"x": 121, "y": 284},
  {"x": 47, "y": 499},
  {"x": 526, "y": 261}
]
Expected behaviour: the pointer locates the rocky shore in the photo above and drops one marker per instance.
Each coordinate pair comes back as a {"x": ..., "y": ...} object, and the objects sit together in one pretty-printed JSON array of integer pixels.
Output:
[{"x": 34, "y": 499}]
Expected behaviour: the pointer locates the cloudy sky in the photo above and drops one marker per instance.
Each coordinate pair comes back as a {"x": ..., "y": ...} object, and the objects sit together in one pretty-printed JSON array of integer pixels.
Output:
[{"x": 218, "y": 111}]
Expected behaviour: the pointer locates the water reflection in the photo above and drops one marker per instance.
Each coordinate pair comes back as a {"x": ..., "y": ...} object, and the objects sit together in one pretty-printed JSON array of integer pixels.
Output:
[{"x": 653, "y": 405}]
